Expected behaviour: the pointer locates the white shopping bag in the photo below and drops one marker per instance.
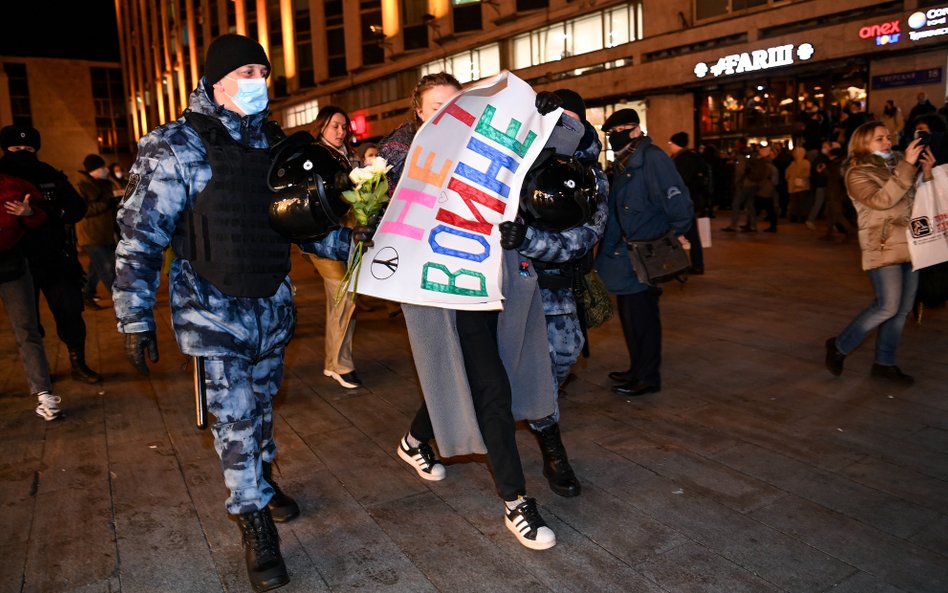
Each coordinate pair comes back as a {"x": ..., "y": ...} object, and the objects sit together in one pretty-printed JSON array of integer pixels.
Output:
[
  {"x": 704, "y": 231},
  {"x": 928, "y": 230}
]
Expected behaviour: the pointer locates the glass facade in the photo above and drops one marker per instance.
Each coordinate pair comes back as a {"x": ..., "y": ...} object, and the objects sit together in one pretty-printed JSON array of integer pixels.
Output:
[
  {"x": 111, "y": 121},
  {"x": 301, "y": 114},
  {"x": 467, "y": 66},
  {"x": 589, "y": 33}
]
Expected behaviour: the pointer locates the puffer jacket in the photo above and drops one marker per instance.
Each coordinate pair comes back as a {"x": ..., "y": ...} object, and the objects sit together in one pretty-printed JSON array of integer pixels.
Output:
[{"x": 883, "y": 195}]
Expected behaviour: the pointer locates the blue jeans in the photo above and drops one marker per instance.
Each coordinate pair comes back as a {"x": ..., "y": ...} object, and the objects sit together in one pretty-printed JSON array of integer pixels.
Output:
[
  {"x": 17, "y": 296},
  {"x": 895, "y": 288},
  {"x": 101, "y": 268}
]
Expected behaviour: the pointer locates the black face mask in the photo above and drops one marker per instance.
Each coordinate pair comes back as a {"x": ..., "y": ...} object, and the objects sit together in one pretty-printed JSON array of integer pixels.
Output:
[
  {"x": 619, "y": 140},
  {"x": 21, "y": 156}
]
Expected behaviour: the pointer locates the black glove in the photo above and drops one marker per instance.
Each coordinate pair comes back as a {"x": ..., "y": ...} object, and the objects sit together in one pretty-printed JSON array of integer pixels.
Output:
[
  {"x": 363, "y": 233},
  {"x": 547, "y": 102},
  {"x": 512, "y": 234},
  {"x": 135, "y": 346}
]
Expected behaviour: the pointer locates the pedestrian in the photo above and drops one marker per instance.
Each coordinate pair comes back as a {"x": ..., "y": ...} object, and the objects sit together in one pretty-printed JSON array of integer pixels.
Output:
[
  {"x": 647, "y": 198},
  {"x": 231, "y": 299},
  {"x": 51, "y": 248},
  {"x": 471, "y": 399},
  {"x": 893, "y": 121},
  {"x": 19, "y": 214},
  {"x": 95, "y": 233},
  {"x": 333, "y": 132},
  {"x": 881, "y": 185},
  {"x": 696, "y": 174},
  {"x": 798, "y": 183}
]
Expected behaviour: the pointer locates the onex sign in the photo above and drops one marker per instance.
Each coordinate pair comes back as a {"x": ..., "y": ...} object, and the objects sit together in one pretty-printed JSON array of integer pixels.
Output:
[
  {"x": 882, "y": 34},
  {"x": 758, "y": 59}
]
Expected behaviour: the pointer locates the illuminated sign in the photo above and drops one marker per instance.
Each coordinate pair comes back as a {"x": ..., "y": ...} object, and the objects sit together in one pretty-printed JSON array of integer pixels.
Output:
[
  {"x": 937, "y": 18},
  {"x": 882, "y": 34},
  {"x": 758, "y": 59}
]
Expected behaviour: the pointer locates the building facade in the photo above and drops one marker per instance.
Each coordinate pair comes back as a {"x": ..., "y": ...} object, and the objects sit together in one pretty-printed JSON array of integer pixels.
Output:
[
  {"x": 78, "y": 106},
  {"x": 718, "y": 69}
]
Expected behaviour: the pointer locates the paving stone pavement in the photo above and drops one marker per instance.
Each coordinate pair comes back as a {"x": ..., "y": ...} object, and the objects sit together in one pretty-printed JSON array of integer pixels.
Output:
[{"x": 754, "y": 470}]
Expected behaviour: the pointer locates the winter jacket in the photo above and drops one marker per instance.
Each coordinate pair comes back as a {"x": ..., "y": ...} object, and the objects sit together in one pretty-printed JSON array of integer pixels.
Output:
[
  {"x": 171, "y": 170},
  {"x": 98, "y": 225},
  {"x": 13, "y": 228},
  {"x": 647, "y": 198},
  {"x": 883, "y": 195},
  {"x": 798, "y": 173},
  {"x": 572, "y": 244}
]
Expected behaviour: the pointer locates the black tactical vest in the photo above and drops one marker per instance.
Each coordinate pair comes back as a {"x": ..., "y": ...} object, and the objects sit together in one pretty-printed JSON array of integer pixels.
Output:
[{"x": 227, "y": 235}]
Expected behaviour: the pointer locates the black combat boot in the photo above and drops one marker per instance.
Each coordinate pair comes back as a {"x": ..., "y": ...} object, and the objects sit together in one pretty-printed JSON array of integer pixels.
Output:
[
  {"x": 80, "y": 372},
  {"x": 282, "y": 507},
  {"x": 265, "y": 566},
  {"x": 556, "y": 466}
]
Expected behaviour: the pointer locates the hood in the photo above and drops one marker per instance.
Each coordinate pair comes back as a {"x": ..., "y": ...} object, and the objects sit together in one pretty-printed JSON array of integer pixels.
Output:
[{"x": 247, "y": 129}]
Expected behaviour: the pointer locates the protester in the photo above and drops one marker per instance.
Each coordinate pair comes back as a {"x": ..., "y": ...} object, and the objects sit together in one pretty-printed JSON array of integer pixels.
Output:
[
  {"x": 51, "y": 248},
  {"x": 881, "y": 184},
  {"x": 96, "y": 231},
  {"x": 231, "y": 300},
  {"x": 467, "y": 373},
  {"x": 17, "y": 217},
  {"x": 647, "y": 198},
  {"x": 333, "y": 131}
]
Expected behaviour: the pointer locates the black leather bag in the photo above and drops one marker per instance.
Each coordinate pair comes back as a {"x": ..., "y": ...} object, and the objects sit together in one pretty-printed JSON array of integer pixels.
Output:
[{"x": 660, "y": 260}]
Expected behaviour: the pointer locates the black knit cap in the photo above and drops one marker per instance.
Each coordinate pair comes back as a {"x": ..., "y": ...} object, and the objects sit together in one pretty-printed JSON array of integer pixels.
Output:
[
  {"x": 680, "y": 139},
  {"x": 19, "y": 136},
  {"x": 229, "y": 52},
  {"x": 572, "y": 101},
  {"x": 92, "y": 162},
  {"x": 621, "y": 118}
]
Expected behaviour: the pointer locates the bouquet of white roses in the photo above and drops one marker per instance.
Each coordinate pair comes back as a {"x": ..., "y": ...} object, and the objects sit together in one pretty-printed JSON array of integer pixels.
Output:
[{"x": 369, "y": 194}]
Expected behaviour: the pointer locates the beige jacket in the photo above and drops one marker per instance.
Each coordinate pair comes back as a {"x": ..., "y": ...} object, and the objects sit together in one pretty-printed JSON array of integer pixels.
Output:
[{"x": 883, "y": 198}]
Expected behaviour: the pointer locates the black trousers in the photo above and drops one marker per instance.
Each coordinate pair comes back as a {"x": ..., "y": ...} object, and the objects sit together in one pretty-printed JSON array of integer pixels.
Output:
[
  {"x": 491, "y": 395},
  {"x": 767, "y": 205},
  {"x": 642, "y": 328},
  {"x": 697, "y": 252},
  {"x": 63, "y": 292}
]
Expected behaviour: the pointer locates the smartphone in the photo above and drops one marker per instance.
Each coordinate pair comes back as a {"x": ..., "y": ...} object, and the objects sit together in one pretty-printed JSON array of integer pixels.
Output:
[{"x": 923, "y": 137}]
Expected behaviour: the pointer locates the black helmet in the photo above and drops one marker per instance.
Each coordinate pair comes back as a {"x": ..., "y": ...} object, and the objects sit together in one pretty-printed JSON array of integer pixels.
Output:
[
  {"x": 558, "y": 195},
  {"x": 308, "y": 180}
]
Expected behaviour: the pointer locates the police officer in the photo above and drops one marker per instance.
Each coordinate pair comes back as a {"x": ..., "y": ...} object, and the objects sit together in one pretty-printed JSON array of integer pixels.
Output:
[
  {"x": 561, "y": 253},
  {"x": 200, "y": 185},
  {"x": 51, "y": 249}
]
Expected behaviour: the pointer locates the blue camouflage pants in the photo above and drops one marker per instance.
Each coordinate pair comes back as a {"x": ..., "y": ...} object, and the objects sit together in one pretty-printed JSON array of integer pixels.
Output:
[
  {"x": 240, "y": 395},
  {"x": 566, "y": 342}
]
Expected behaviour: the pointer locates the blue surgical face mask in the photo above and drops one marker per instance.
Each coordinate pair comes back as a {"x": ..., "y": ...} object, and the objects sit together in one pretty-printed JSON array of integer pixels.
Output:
[
  {"x": 251, "y": 97},
  {"x": 885, "y": 155}
]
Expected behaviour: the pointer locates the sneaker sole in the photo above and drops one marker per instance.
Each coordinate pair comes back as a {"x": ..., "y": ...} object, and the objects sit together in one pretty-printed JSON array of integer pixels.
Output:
[
  {"x": 529, "y": 543},
  {"x": 47, "y": 418},
  {"x": 426, "y": 476},
  {"x": 338, "y": 378}
]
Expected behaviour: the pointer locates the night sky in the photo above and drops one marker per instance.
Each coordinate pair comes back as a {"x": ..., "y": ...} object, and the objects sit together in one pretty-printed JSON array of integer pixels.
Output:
[{"x": 81, "y": 29}]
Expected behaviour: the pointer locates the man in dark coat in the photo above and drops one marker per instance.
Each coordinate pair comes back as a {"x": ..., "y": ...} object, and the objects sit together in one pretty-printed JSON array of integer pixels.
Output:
[
  {"x": 696, "y": 174},
  {"x": 51, "y": 248}
]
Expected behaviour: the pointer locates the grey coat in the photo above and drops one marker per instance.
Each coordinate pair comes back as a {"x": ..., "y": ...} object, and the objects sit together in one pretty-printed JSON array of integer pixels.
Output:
[{"x": 522, "y": 339}]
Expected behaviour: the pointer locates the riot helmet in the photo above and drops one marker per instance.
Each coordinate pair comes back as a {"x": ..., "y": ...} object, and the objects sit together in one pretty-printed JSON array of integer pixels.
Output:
[
  {"x": 308, "y": 181},
  {"x": 559, "y": 194}
]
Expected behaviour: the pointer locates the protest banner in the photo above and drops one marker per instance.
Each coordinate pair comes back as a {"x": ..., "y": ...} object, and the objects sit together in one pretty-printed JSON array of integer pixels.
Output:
[{"x": 438, "y": 243}]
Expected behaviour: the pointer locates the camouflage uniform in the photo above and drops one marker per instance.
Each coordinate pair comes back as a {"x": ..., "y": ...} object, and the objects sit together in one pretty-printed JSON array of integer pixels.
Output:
[
  {"x": 559, "y": 304},
  {"x": 242, "y": 340}
]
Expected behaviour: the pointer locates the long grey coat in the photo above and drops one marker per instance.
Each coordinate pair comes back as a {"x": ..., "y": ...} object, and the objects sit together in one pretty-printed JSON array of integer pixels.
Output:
[{"x": 521, "y": 334}]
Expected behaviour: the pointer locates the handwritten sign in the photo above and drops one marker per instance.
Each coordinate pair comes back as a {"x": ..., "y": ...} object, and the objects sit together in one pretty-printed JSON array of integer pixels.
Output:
[{"x": 438, "y": 243}]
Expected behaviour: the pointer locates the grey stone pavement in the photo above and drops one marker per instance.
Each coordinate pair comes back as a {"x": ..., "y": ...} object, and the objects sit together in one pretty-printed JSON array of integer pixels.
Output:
[{"x": 753, "y": 470}]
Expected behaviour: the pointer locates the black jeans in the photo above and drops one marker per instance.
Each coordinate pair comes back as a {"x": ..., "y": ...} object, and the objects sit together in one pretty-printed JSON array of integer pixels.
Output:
[
  {"x": 63, "y": 292},
  {"x": 491, "y": 395},
  {"x": 642, "y": 328},
  {"x": 697, "y": 252},
  {"x": 767, "y": 205}
]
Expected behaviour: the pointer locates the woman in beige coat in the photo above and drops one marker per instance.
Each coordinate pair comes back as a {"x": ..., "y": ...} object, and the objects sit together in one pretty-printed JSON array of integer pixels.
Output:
[{"x": 881, "y": 185}]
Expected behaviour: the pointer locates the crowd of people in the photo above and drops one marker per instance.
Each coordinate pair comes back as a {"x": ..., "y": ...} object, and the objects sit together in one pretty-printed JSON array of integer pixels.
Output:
[{"x": 232, "y": 300}]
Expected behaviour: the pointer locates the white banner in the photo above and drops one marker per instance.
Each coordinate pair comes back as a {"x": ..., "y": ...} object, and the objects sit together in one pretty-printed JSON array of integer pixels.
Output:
[{"x": 438, "y": 243}]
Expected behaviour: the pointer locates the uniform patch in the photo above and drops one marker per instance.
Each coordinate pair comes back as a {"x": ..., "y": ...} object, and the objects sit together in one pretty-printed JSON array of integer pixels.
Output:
[
  {"x": 133, "y": 182},
  {"x": 672, "y": 192}
]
